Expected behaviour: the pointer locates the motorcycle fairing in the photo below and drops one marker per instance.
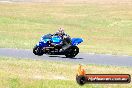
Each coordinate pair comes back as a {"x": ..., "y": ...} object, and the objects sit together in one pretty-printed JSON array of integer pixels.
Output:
[{"x": 76, "y": 41}]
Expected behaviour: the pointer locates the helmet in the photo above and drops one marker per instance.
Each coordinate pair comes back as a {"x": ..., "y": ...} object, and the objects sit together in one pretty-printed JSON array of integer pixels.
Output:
[{"x": 61, "y": 30}]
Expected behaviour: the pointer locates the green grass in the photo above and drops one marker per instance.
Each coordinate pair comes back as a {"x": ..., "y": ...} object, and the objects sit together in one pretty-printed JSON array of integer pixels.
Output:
[
  {"x": 27, "y": 73},
  {"x": 105, "y": 28}
]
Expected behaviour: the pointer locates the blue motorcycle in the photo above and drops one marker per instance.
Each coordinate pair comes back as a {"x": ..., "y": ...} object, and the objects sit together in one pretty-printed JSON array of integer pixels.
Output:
[{"x": 54, "y": 45}]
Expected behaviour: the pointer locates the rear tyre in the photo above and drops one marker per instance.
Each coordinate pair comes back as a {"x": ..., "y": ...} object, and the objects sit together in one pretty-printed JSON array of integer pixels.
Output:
[
  {"x": 72, "y": 51},
  {"x": 38, "y": 51}
]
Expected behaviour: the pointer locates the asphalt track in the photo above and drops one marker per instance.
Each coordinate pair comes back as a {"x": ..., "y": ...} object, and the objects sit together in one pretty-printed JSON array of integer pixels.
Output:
[{"x": 81, "y": 58}]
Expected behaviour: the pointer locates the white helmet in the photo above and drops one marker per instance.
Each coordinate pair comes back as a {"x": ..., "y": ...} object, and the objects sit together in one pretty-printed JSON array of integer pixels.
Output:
[{"x": 61, "y": 30}]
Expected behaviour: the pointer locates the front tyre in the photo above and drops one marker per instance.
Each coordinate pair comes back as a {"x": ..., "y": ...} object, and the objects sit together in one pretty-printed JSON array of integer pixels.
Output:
[
  {"x": 72, "y": 51},
  {"x": 38, "y": 51}
]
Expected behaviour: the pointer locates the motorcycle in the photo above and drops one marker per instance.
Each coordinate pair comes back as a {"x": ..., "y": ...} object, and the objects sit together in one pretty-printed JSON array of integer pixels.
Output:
[{"x": 53, "y": 45}]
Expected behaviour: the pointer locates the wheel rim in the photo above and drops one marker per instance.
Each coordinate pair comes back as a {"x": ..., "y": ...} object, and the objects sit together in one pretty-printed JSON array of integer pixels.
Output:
[
  {"x": 37, "y": 50},
  {"x": 72, "y": 52},
  {"x": 75, "y": 52}
]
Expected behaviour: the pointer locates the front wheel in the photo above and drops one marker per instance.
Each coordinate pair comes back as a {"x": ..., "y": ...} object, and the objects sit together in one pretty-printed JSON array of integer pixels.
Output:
[
  {"x": 72, "y": 51},
  {"x": 38, "y": 51}
]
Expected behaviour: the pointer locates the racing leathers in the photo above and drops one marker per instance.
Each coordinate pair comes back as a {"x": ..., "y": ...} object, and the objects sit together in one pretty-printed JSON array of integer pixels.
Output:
[{"x": 66, "y": 40}]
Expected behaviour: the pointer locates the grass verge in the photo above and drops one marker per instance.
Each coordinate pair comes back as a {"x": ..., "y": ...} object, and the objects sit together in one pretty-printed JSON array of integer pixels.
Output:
[{"x": 27, "y": 73}]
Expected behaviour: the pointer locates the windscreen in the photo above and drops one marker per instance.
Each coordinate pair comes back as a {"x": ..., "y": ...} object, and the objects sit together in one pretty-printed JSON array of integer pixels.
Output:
[{"x": 48, "y": 36}]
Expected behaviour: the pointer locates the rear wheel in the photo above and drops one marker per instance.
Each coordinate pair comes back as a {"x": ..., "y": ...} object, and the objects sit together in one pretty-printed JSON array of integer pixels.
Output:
[
  {"x": 38, "y": 51},
  {"x": 72, "y": 51}
]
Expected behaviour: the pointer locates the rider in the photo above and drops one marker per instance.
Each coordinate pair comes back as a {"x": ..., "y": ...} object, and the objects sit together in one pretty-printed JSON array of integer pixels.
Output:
[
  {"x": 60, "y": 32},
  {"x": 66, "y": 40}
]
